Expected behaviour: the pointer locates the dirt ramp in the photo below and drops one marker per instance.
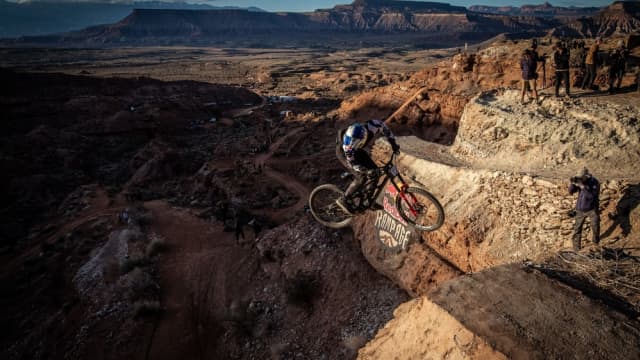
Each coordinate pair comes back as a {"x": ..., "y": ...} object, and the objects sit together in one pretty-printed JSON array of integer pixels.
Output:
[
  {"x": 423, "y": 330},
  {"x": 507, "y": 311}
]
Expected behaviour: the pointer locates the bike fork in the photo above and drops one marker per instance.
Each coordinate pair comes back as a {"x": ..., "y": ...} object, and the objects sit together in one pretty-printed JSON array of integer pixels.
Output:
[{"x": 404, "y": 197}]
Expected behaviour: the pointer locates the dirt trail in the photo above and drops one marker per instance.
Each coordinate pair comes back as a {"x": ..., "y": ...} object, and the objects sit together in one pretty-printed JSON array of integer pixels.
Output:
[
  {"x": 202, "y": 267},
  {"x": 99, "y": 207},
  {"x": 245, "y": 111},
  {"x": 288, "y": 181}
]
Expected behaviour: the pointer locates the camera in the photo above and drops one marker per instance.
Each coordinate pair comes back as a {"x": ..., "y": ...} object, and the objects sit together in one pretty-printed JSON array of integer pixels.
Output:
[{"x": 576, "y": 180}]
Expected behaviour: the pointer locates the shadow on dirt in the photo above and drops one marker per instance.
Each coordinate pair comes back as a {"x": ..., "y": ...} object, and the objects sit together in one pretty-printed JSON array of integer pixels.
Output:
[
  {"x": 588, "y": 274},
  {"x": 629, "y": 201}
]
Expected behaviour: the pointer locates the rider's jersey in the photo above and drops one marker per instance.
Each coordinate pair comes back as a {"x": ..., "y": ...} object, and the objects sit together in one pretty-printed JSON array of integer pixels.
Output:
[{"x": 361, "y": 136}]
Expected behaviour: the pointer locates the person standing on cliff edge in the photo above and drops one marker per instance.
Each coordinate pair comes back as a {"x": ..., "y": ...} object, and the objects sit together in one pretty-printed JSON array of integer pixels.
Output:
[
  {"x": 561, "y": 63},
  {"x": 591, "y": 63},
  {"x": 529, "y": 75},
  {"x": 588, "y": 188}
]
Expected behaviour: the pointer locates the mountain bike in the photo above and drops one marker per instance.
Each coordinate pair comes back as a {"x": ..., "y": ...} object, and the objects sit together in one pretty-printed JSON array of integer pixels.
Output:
[{"x": 414, "y": 204}]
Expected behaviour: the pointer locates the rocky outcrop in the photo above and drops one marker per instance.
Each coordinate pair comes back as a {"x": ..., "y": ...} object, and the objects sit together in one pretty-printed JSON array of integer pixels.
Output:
[
  {"x": 505, "y": 312},
  {"x": 562, "y": 136},
  {"x": 505, "y": 198},
  {"x": 503, "y": 185},
  {"x": 620, "y": 18},
  {"x": 545, "y": 9}
]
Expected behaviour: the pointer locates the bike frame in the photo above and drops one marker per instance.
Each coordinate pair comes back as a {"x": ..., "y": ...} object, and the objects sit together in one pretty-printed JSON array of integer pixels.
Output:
[{"x": 392, "y": 174}]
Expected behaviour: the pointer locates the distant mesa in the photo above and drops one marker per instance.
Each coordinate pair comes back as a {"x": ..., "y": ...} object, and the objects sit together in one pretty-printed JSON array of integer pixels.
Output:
[
  {"x": 545, "y": 9},
  {"x": 620, "y": 18},
  {"x": 30, "y": 18},
  {"x": 405, "y": 22}
]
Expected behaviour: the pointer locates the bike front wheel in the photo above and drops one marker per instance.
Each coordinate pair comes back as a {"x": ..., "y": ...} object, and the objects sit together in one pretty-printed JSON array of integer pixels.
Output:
[
  {"x": 322, "y": 203},
  {"x": 421, "y": 209}
]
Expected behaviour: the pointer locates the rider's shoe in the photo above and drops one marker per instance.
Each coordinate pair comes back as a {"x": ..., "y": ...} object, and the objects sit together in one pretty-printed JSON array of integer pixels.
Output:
[{"x": 342, "y": 204}]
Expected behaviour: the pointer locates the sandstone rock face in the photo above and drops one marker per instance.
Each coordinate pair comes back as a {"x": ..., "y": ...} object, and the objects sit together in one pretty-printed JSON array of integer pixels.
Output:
[
  {"x": 491, "y": 218},
  {"x": 503, "y": 184},
  {"x": 417, "y": 270},
  {"x": 505, "y": 312},
  {"x": 497, "y": 132}
]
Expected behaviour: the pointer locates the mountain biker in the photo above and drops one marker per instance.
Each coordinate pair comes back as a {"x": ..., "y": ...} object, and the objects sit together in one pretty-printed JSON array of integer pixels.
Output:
[{"x": 352, "y": 149}]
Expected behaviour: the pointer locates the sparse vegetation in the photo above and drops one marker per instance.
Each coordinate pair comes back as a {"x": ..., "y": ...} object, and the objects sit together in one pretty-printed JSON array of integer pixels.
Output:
[
  {"x": 612, "y": 270},
  {"x": 132, "y": 262},
  {"x": 144, "y": 308},
  {"x": 141, "y": 285},
  {"x": 157, "y": 245}
]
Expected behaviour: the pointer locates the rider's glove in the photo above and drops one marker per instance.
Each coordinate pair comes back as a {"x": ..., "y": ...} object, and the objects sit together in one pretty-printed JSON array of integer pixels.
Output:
[
  {"x": 373, "y": 173},
  {"x": 360, "y": 168},
  {"x": 394, "y": 146}
]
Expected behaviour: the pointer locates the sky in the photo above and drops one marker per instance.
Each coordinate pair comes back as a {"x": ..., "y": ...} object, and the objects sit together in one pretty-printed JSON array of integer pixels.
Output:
[{"x": 310, "y": 5}]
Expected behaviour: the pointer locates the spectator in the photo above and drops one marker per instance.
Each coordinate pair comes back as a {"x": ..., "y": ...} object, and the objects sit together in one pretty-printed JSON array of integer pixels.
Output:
[
  {"x": 561, "y": 63},
  {"x": 591, "y": 62},
  {"x": 528, "y": 67},
  {"x": 588, "y": 189},
  {"x": 617, "y": 64}
]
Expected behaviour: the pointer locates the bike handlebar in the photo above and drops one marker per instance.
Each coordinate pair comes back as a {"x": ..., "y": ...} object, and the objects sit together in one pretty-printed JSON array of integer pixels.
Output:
[{"x": 388, "y": 163}]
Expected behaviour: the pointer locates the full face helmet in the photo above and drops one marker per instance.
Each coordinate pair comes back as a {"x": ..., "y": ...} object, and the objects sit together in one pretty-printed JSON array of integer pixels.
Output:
[{"x": 356, "y": 135}]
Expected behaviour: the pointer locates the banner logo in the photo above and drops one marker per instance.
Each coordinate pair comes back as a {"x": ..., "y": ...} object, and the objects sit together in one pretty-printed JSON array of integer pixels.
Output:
[{"x": 393, "y": 231}]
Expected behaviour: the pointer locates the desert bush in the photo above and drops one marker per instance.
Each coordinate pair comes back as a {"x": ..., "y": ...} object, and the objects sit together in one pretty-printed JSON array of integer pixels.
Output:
[
  {"x": 141, "y": 285},
  {"x": 144, "y": 218},
  {"x": 131, "y": 262},
  {"x": 144, "y": 308},
  {"x": 302, "y": 289},
  {"x": 156, "y": 245},
  {"x": 614, "y": 271}
]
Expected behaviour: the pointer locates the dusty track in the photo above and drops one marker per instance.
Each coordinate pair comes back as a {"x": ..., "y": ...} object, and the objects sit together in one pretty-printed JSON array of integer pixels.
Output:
[
  {"x": 203, "y": 259},
  {"x": 290, "y": 182}
]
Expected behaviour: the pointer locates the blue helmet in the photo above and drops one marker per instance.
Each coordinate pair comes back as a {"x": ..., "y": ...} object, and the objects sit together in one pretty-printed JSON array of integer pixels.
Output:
[{"x": 355, "y": 134}]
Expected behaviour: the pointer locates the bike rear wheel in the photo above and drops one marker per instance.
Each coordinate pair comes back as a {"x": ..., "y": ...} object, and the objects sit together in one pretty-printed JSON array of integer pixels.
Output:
[
  {"x": 421, "y": 209},
  {"x": 322, "y": 203}
]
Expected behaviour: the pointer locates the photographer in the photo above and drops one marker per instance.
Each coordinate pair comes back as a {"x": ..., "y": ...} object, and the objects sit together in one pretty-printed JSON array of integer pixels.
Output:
[{"x": 588, "y": 189}]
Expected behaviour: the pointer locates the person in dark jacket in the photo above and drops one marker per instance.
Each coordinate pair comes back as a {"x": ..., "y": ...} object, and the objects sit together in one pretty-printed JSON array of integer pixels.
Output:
[
  {"x": 561, "y": 63},
  {"x": 588, "y": 189},
  {"x": 528, "y": 68},
  {"x": 617, "y": 63}
]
